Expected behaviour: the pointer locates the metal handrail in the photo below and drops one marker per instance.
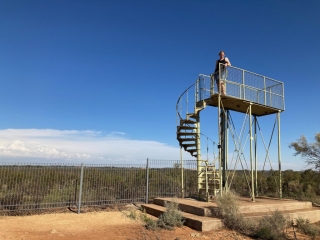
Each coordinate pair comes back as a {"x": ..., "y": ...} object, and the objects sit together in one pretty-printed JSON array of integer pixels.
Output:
[
  {"x": 255, "y": 74},
  {"x": 177, "y": 105}
]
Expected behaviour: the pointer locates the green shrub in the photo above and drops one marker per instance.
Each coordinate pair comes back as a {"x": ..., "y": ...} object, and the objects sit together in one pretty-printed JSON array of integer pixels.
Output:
[
  {"x": 171, "y": 218},
  {"x": 268, "y": 227},
  {"x": 148, "y": 222},
  {"x": 228, "y": 210},
  {"x": 304, "y": 226},
  {"x": 271, "y": 227}
]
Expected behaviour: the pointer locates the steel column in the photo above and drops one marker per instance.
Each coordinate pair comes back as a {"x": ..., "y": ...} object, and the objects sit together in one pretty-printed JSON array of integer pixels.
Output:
[
  {"x": 279, "y": 156},
  {"x": 255, "y": 154},
  {"x": 219, "y": 146},
  {"x": 198, "y": 151},
  {"x": 251, "y": 157}
]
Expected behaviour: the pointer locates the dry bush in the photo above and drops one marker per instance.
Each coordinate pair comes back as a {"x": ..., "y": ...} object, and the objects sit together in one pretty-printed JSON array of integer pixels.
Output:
[
  {"x": 172, "y": 217},
  {"x": 271, "y": 227},
  {"x": 305, "y": 227},
  {"x": 169, "y": 220},
  {"x": 228, "y": 210},
  {"x": 268, "y": 227}
]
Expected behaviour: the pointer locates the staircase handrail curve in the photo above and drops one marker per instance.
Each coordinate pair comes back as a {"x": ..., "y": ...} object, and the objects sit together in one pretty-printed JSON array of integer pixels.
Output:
[
  {"x": 209, "y": 138},
  {"x": 177, "y": 105}
]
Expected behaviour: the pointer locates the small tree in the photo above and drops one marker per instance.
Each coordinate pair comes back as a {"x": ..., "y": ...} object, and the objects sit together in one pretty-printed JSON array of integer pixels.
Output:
[{"x": 309, "y": 151}]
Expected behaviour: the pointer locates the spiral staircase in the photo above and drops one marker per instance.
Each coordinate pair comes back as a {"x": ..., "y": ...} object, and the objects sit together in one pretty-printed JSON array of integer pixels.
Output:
[{"x": 189, "y": 137}]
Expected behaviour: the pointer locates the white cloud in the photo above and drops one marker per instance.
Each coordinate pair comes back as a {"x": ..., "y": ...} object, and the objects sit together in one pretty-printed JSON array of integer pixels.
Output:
[
  {"x": 49, "y": 145},
  {"x": 86, "y": 146}
]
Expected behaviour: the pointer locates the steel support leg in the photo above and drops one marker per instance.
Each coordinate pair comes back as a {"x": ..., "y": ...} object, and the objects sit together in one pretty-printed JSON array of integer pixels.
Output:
[
  {"x": 279, "y": 156},
  {"x": 251, "y": 157}
]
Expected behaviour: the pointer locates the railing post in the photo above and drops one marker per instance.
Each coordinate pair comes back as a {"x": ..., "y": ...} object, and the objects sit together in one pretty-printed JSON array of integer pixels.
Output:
[
  {"x": 243, "y": 84},
  {"x": 196, "y": 94},
  {"x": 207, "y": 185},
  {"x": 211, "y": 84},
  {"x": 80, "y": 190},
  {"x": 187, "y": 93},
  {"x": 282, "y": 94},
  {"x": 147, "y": 181},
  {"x": 265, "y": 91}
]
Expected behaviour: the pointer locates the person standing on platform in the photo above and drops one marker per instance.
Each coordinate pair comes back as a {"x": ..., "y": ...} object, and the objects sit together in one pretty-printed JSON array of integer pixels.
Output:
[{"x": 223, "y": 62}]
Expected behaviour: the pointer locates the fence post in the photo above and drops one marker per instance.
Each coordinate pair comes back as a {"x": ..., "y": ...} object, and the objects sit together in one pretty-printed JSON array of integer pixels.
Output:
[
  {"x": 182, "y": 183},
  {"x": 80, "y": 190},
  {"x": 147, "y": 182}
]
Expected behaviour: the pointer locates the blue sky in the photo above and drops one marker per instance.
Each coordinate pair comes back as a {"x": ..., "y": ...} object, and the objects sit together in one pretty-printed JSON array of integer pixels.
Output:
[{"x": 101, "y": 78}]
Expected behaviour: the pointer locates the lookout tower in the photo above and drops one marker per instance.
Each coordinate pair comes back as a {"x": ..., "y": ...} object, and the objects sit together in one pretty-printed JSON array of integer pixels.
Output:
[{"x": 246, "y": 92}]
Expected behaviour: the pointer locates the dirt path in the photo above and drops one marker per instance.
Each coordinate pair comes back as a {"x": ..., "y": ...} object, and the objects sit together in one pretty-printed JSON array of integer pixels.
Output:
[{"x": 95, "y": 225}]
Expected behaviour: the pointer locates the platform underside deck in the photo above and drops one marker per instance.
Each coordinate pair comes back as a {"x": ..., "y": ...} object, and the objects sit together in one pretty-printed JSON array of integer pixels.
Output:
[{"x": 240, "y": 105}]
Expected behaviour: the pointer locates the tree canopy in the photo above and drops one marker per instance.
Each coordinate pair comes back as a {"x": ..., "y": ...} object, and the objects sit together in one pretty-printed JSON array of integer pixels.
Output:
[{"x": 309, "y": 151}]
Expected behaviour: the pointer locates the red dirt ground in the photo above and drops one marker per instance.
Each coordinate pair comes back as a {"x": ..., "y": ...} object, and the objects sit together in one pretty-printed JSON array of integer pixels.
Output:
[{"x": 96, "y": 225}]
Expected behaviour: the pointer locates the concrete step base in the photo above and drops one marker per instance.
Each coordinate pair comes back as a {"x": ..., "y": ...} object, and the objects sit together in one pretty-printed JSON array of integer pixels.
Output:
[
  {"x": 261, "y": 205},
  {"x": 199, "y": 223},
  {"x": 190, "y": 206},
  {"x": 200, "y": 215},
  {"x": 312, "y": 214}
]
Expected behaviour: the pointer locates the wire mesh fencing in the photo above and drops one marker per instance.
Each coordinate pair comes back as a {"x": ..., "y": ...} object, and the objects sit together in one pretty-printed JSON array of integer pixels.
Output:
[
  {"x": 171, "y": 178},
  {"x": 49, "y": 186}
]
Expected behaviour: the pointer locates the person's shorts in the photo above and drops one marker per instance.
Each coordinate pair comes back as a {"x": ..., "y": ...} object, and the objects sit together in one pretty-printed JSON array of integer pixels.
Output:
[{"x": 216, "y": 76}]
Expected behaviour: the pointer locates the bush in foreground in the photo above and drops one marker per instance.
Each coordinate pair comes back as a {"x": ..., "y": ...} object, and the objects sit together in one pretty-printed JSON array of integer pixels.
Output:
[
  {"x": 305, "y": 227},
  {"x": 271, "y": 227},
  {"x": 169, "y": 220},
  {"x": 172, "y": 217},
  {"x": 268, "y": 227},
  {"x": 228, "y": 210}
]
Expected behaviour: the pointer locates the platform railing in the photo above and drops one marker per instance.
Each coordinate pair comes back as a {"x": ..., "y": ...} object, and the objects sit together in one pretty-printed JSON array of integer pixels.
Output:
[{"x": 242, "y": 84}]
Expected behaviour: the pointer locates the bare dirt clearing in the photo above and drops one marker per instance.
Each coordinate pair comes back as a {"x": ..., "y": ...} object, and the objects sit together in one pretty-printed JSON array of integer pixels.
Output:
[{"x": 95, "y": 225}]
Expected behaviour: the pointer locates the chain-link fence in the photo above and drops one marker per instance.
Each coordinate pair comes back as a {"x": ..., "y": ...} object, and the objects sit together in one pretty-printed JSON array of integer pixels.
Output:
[{"x": 47, "y": 186}]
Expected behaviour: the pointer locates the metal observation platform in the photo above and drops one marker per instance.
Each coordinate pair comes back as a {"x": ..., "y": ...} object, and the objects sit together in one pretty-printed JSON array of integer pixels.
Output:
[
  {"x": 236, "y": 90},
  {"x": 242, "y": 89}
]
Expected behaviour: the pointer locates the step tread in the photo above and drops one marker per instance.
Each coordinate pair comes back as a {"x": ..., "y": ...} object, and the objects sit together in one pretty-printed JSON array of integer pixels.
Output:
[
  {"x": 184, "y": 214},
  {"x": 189, "y": 144},
  {"x": 284, "y": 211},
  {"x": 186, "y": 128},
  {"x": 186, "y": 139},
  {"x": 200, "y": 223},
  {"x": 182, "y": 121}
]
